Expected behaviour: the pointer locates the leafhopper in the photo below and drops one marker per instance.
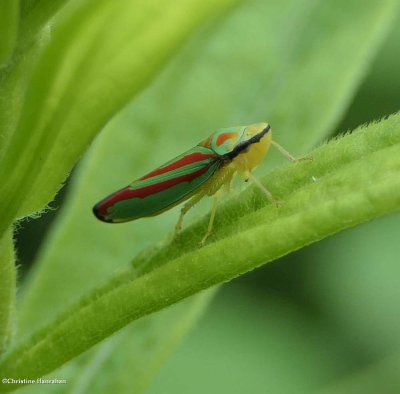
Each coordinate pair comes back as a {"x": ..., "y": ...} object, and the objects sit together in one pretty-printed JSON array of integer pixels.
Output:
[{"x": 203, "y": 170}]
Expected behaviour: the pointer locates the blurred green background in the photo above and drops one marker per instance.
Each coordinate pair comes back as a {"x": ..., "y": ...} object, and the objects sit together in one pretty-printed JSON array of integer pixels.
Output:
[{"x": 324, "y": 319}]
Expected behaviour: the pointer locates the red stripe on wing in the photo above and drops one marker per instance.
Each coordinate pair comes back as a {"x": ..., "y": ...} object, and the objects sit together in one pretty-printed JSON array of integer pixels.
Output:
[
  {"x": 189, "y": 159},
  {"x": 143, "y": 192}
]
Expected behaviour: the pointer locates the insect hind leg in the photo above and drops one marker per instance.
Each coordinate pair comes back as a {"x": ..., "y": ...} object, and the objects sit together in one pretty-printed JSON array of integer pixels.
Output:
[
  {"x": 190, "y": 204},
  {"x": 211, "y": 222}
]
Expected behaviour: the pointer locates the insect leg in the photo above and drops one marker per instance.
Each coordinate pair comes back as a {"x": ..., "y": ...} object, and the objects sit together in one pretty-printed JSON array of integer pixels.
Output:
[
  {"x": 257, "y": 182},
  {"x": 287, "y": 154},
  {"x": 191, "y": 203},
  {"x": 211, "y": 222}
]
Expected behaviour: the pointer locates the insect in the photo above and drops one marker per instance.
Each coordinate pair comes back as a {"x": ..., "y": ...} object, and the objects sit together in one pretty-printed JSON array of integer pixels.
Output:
[{"x": 204, "y": 170}]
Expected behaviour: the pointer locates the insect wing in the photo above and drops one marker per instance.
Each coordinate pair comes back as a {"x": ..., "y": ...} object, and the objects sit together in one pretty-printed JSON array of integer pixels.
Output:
[{"x": 160, "y": 189}]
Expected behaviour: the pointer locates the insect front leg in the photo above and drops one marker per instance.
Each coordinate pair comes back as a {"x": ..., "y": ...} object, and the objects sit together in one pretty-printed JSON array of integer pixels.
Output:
[{"x": 288, "y": 155}]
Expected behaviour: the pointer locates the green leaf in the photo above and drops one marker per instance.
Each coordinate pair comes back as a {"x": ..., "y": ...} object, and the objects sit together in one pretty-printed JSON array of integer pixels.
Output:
[
  {"x": 7, "y": 290},
  {"x": 35, "y": 14},
  {"x": 191, "y": 86},
  {"x": 34, "y": 34},
  {"x": 97, "y": 59},
  {"x": 9, "y": 20},
  {"x": 148, "y": 342},
  {"x": 268, "y": 64},
  {"x": 143, "y": 346},
  {"x": 330, "y": 194},
  {"x": 63, "y": 107}
]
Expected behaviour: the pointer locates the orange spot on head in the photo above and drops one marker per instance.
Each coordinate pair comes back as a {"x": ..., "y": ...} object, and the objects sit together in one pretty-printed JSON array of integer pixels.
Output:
[{"x": 223, "y": 137}]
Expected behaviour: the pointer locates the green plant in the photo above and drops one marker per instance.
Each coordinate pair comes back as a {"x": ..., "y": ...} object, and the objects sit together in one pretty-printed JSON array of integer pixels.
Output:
[{"x": 62, "y": 85}]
